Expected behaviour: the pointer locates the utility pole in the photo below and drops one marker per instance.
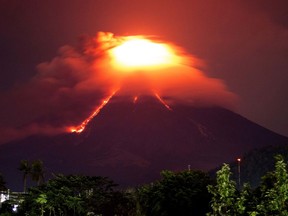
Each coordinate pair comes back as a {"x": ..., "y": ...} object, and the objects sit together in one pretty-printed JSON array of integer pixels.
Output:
[{"x": 239, "y": 172}]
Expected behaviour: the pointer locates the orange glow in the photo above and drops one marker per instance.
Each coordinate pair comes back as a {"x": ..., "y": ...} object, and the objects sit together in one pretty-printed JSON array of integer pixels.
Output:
[
  {"x": 137, "y": 52},
  {"x": 163, "y": 102},
  {"x": 135, "y": 99},
  {"x": 239, "y": 159},
  {"x": 82, "y": 126}
]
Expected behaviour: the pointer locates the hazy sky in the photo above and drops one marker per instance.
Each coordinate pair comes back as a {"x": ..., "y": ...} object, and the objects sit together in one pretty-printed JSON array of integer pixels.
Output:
[{"x": 243, "y": 43}]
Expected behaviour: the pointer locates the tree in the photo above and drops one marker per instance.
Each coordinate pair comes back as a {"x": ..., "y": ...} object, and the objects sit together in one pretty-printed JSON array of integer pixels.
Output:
[
  {"x": 26, "y": 169},
  {"x": 223, "y": 193},
  {"x": 275, "y": 191},
  {"x": 37, "y": 171},
  {"x": 183, "y": 193},
  {"x": 33, "y": 169},
  {"x": 244, "y": 201},
  {"x": 271, "y": 198},
  {"x": 76, "y": 195},
  {"x": 75, "y": 203},
  {"x": 42, "y": 200}
]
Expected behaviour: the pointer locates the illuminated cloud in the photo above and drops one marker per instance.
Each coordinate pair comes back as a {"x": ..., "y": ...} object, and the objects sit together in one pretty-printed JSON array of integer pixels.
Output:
[{"x": 67, "y": 89}]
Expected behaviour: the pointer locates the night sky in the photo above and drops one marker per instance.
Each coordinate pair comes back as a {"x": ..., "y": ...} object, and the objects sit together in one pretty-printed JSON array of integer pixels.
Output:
[{"x": 243, "y": 43}]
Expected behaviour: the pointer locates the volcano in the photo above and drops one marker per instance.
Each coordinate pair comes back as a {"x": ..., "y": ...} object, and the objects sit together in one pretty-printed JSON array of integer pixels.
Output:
[{"x": 133, "y": 138}]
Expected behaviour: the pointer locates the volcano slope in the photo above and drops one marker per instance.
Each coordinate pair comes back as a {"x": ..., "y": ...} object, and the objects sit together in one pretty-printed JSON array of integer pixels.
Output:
[{"x": 131, "y": 141}]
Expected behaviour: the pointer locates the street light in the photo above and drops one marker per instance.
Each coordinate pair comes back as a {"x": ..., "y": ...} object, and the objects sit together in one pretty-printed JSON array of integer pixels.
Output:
[{"x": 239, "y": 172}]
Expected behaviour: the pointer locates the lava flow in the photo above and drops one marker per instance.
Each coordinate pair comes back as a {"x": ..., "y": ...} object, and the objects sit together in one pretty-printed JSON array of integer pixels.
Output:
[
  {"x": 162, "y": 101},
  {"x": 82, "y": 126}
]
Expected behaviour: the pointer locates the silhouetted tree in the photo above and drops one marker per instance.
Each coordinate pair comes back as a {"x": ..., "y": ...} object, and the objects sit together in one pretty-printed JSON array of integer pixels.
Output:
[
  {"x": 183, "y": 193},
  {"x": 33, "y": 169},
  {"x": 37, "y": 171},
  {"x": 25, "y": 167}
]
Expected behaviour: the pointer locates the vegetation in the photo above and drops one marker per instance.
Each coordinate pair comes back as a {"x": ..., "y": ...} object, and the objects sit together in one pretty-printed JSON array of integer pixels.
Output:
[
  {"x": 271, "y": 198},
  {"x": 34, "y": 169},
  {"x": 224, "y": 193},
  {"x": 26, "y": 169},
  {"x": 226, "y": 199},
  {"x": 274, "y": 191},
  {"x": 257, "y": 163},
  {"x": 181, "y": 193},
  {"x": 77, "y": 195}
]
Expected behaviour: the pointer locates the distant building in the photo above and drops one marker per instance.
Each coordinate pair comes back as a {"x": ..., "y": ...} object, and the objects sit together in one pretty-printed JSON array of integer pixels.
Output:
[{"x": 14, "y": 198}]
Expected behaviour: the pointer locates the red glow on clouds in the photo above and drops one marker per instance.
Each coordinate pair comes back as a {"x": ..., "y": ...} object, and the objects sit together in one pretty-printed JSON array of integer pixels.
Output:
[
  {"x": 141, "y": 53},
  {"x": 81, "y": 80},
  {"x": 164, "y": 67}
]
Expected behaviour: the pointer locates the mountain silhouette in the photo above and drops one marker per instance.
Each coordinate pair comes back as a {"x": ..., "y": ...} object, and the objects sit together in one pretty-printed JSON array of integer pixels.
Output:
[{"x": 132, "y": 139}]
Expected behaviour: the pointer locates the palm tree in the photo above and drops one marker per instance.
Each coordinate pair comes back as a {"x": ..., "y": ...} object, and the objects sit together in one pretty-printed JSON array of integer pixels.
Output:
[
  {"x": 37, "y": 171},
  {"x": 26, "y": 169}
]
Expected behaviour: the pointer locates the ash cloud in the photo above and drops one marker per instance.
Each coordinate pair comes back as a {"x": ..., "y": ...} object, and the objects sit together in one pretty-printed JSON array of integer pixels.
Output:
[
  {"x": 67, "y": 89},
  {"x": 181, "y": 81},
  {"x": 63, "y": 92},
  {"x": 189, "y": 85}
]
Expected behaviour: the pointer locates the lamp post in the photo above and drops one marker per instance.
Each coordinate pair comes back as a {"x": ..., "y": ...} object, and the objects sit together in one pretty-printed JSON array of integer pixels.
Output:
[{"x": 239, "y": 172}]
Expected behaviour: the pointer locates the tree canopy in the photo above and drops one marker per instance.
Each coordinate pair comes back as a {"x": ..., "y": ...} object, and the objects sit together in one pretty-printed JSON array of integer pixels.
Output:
[
  {"x": 182, "y": 193},
  {"x": 76, "y": 195}
]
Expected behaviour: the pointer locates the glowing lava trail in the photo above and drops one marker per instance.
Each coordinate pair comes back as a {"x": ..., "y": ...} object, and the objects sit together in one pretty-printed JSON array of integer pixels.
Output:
[
  {"x": 163, "y": 102},
  {"x": 82, "y": 126}
]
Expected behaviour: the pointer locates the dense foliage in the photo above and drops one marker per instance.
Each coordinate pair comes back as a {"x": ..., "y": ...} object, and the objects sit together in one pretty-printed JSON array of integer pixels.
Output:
[
  {"x": 77, "y": 195},
  {"x": 271, "y": 198},
  {"x": 274, "y": 191},
  {"x": 226, "y": 199},
  {"x": 183, "y": 193}
]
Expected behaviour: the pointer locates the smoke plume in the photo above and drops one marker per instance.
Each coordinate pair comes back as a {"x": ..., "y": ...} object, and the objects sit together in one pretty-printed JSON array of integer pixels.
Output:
[{"x": 67, "y": 89}]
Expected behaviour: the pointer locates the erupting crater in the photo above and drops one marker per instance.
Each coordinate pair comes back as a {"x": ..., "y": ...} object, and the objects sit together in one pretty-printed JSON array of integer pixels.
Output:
[{"x": 137, "y": 52}]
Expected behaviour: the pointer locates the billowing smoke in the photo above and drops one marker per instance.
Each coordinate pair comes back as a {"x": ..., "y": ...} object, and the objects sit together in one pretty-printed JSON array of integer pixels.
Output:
[{"x": 67, "y": 89}]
